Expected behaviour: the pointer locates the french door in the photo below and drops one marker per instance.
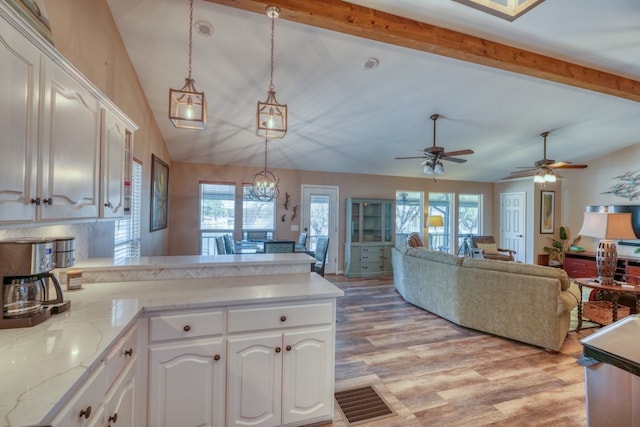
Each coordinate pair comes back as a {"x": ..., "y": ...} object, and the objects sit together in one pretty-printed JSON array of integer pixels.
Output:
[{"x": 319, "y": 215}]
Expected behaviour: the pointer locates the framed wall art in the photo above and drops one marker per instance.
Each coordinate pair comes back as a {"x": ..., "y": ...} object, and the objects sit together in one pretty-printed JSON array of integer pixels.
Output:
[
  {"x": 35, "y": 14},
  {"x": 159, "y": 194},
  {"x": 547, "y": 211}
]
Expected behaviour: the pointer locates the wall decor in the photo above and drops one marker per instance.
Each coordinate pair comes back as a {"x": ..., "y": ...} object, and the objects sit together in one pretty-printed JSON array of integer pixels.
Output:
[
  {"x": 547, "y": 211},
  {"x": 34, "y": 13},
  {"x": 628, "y": 187},
  {"x": 159, "y": 194}
]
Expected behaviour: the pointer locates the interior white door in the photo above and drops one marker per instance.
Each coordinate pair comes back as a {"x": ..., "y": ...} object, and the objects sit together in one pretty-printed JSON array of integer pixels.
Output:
[
  {"x": 319, "y": 215},
  {"x": 512, "y": 223}
]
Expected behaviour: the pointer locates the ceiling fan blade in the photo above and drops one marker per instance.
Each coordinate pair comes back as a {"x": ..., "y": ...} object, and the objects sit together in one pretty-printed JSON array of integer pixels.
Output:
[
  {"x": 458, "y": 153},
  {"x": 411, "y": 157},
  {"x": 518, "y": 174},
  {"x": 566, "y": 166},
  {"x": 525, "y": 169},
  {"x": 558, "y": 164},
  {"x": 453, "y": 159}
]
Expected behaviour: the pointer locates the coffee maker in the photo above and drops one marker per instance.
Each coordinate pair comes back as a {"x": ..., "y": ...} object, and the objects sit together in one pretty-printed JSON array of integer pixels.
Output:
[{"x": 25, "y": 271}]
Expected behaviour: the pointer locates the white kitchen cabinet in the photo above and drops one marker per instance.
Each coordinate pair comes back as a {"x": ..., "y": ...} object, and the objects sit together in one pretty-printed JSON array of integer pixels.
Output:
[
  {"x": 280, "y": 367},
  {"x": 20, "y": 84},
  {"x": 114, "y": 144},
  {"x": 86, "y": 409},
  {"x": 50, "y": 168},
  {"x": 69, "y": 154},
  {"x": 120, "y": 400},
  {"x": 187, "y": 369}
]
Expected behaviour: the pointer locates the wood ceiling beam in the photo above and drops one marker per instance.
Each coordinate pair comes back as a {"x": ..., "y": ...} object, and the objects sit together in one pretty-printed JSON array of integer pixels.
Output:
[{"x": 337, "y": 15}]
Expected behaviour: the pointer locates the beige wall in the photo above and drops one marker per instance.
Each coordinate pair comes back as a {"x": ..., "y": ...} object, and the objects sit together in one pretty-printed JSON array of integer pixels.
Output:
[{"x": 184, "y": 197}]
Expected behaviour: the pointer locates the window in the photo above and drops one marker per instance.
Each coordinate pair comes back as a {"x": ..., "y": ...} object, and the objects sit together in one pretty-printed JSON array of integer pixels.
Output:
[
  {"x": 127, "y": 230},
  {"x": 217, "y": 214},
  {"x": 469, "y": 216},
  {"x": 409, "y": 214},
  {"x": 441, "y": 238},
  {"x": 257, "y": 215}
]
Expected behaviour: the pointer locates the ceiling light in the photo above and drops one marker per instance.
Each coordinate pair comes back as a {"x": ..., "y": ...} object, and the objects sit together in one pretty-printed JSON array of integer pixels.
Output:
[
  {"x": 506, "y": 9},
  {"x": 264, "y": 184},
  {"x": 204, "y": 28},
  {"x": 187, "y": 106},
  {"x": 371, "y": 63},
  {"x": 271, "y": 118},
  {"x": 428, "y": 169}
]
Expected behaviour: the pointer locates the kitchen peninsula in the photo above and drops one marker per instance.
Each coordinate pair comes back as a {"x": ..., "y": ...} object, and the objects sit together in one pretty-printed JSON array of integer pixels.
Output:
[{"x": 125, "y": 345}]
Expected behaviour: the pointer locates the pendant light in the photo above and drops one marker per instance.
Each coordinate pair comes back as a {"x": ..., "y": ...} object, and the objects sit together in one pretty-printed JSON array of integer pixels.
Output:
[
  {"x": 187, "y": 106},
  {"x": 264, "y": 184},
  {"x": 271, "y": 117}
]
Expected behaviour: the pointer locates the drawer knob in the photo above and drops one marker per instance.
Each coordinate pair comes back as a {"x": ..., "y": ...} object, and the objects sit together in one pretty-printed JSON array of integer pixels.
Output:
[
  {"x": 128, "y": 352},
  {"x": 186, "y": 328},
  {"x": 113, "y": 418},
  {"x": 288, "y": 348},
  {"x": 278, "y": 349},
  {"x": 283, "y": 318},
  {"x": 86, "y": 413},
  {"x": 216, "y": 357}
]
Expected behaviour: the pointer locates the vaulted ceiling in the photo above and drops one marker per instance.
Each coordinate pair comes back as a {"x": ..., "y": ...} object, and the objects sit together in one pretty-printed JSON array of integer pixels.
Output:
[{"x": 569, "y": 67}]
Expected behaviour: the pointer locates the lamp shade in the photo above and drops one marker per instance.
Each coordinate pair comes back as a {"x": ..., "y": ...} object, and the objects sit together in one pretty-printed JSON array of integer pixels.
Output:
[
  {"x": 435, "y": 221},
  {"x": 607, "y": 225}
]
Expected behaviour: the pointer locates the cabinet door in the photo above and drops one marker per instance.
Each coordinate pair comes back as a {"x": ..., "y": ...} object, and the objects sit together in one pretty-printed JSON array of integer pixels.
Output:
[
  {"x": 68, "y": 161},
  {"x": 186, "y": 384},
  {"x": 120, "y": 403},
  {"x": 307, "y": 375},
  {"x": 86, "y": 409},
  {"x": 254, "y": 374},
  {"x": 19, "y": 66},
  {"x": 114, "y": 134}
]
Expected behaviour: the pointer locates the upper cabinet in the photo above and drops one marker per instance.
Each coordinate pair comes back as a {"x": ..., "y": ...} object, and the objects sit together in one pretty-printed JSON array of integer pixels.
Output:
[{"x": 64, "y": 143}]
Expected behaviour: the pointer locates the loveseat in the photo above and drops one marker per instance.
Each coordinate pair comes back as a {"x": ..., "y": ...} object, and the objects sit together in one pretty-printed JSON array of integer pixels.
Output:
[{"x": 523, "y": 302}]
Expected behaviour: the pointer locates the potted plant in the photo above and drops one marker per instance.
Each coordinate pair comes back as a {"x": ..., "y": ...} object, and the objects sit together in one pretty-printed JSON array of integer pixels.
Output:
[{"x": 558, "y": 246}]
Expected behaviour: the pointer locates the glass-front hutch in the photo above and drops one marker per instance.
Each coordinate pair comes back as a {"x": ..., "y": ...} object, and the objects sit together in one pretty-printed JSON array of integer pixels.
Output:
[{"x": 370, "y": 237}]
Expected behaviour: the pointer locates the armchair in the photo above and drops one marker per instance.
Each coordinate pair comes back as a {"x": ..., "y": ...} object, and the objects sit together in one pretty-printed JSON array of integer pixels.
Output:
[{"x": 489, "y": 249}]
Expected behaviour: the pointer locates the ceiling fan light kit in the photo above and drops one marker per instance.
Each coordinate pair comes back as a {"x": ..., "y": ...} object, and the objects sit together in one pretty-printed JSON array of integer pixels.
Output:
[
  {"x": 188, "y": 106},
  {"x": 271, "y": 116}
]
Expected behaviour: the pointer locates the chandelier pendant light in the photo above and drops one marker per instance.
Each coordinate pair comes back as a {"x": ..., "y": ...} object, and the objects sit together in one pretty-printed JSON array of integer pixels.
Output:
[
  {"x": 271, "y": 117},
  {"x": 264, "y": 184},
  {"x": 187, "y": 106}
]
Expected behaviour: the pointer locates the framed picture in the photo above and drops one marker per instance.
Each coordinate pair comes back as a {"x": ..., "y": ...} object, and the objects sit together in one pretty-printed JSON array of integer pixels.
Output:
[
  {"x": 35, "y": 14},
  {"x": 159, "y": 193},
  {"x": 547, "y": 211}
]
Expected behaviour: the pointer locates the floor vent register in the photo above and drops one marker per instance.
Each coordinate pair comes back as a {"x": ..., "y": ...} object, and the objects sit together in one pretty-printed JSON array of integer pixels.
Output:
[{"x": 362, "y": 404}]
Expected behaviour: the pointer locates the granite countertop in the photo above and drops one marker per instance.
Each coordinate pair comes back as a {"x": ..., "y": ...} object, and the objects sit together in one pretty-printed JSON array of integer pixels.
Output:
[
  {"x": 190, "y": 261},
  {"x": 44, "y": 364}
]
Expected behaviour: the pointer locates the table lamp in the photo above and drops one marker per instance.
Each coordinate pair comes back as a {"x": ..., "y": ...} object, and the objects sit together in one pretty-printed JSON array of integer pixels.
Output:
[{"x": 607, "y": 226}]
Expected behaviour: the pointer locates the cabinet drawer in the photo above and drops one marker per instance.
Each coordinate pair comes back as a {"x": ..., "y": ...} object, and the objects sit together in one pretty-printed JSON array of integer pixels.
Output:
[
  {"x": 253, "y": 319},
  {"x": 86, "y": 408},
  {"x": 122, "y": 353},
  {"x": 186, "y": 325}
]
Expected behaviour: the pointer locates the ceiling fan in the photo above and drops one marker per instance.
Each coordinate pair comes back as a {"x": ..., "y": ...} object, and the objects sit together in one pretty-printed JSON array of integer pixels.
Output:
[
  {"x": 432, "y": 155},
  {"x": 542, "y": 170}
]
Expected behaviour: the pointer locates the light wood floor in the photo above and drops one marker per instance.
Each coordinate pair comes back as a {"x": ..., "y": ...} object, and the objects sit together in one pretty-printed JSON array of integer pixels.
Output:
[{"x": 435, "y": 373}]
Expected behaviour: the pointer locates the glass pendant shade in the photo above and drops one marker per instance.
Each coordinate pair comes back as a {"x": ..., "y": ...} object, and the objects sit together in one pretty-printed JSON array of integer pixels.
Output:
[
  {"x": 438, "y": 169},
  {"x": 271, "y": 117},
  {"x": 188, "y": 107},
  {"x": 428, "y": 169}
]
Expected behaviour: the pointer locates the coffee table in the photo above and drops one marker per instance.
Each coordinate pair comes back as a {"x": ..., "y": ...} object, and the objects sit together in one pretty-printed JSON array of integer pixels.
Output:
[{"x": 617, "y": 289}]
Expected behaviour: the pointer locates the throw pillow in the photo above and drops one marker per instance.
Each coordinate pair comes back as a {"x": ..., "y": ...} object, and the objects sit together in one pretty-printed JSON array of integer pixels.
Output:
[{"x": 488, "y": 248}]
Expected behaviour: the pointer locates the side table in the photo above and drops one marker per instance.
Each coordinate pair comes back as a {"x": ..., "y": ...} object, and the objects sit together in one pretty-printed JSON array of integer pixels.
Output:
[{"x": 617, "y": 289}]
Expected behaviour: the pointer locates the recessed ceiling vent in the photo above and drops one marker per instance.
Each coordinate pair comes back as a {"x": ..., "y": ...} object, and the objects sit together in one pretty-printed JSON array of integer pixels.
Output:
[
  {"x": 371, "y": 63},
  {"x": 204, "y": 28}
]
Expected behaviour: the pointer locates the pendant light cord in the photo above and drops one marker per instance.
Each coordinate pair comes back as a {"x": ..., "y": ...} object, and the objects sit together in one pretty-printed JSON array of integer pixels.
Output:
[
  {"x": 273, "y": 20},
  {"x": 265, "y": 154},
  {"x": 190, "y": 33}
]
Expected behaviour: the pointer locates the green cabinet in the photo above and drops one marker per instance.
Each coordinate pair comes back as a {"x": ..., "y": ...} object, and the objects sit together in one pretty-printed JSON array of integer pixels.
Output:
[{"x": 370, "y": 237}]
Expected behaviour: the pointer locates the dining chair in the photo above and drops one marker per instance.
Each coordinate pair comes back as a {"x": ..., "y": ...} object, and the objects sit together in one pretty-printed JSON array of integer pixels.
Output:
[
  {"x": 279, "y": 246},
  {"x": 322, "y": 247}
]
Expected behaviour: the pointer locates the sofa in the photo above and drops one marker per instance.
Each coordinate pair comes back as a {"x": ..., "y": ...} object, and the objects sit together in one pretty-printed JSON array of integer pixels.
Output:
[{"x": 523, "y": 302}]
